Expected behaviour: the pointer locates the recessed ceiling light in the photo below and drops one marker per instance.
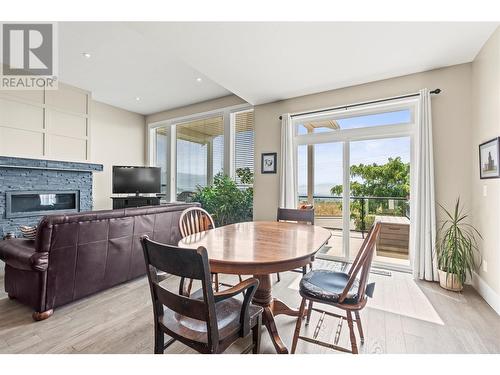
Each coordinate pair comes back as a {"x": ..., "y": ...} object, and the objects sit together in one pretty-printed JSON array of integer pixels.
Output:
[
  {"x": 137, "y": 98},
  {"x": 198, "y": 79},
  {"x": 86, "y": 55}
]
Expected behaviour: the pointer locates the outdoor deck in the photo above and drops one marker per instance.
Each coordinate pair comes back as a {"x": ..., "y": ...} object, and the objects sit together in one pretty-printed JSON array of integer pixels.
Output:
[{"x": 334, "y": 249}]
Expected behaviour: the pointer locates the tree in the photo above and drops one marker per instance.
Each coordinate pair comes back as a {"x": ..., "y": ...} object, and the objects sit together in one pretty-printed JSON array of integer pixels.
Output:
[
  {"x": 391, "y": 179},
  {"x": 225, "y": 201}
]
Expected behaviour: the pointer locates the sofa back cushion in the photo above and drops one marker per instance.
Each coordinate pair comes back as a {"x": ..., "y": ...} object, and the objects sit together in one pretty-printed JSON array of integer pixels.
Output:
[{"x": 92, "y": 251}]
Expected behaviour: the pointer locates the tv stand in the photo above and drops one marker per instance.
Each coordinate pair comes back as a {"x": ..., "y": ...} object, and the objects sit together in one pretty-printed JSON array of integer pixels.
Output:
[{"x": 134, "y": 201}]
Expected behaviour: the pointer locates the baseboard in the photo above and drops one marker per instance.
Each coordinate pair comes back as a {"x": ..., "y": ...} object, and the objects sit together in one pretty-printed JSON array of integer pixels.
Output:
[{"x": 489, "y": 295}]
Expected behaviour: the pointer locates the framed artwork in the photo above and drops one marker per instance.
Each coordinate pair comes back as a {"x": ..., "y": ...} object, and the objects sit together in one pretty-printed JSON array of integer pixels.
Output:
[
  {"x": 268, "y": 162},
  {"x": 489, "y": 155}
]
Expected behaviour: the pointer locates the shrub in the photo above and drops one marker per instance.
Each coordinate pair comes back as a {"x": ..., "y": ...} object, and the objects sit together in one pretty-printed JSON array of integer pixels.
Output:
[
  {"x": 226, "y": 202},
  {"x": 358, "y": 224}
]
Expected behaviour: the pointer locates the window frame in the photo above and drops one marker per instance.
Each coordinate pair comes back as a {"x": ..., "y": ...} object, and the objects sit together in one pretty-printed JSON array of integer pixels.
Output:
[
  {"x": 228, "y": 115},
  {"x": 368, "y": 132},
  {"x": 346, "y": 136}
]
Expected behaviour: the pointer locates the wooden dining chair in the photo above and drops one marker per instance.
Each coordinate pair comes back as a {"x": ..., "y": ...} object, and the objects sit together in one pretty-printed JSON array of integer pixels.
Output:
[
  {"x": 207, "y": 322},
  {"x": 301, "y": 215},
  {"x": 195, "y": 220},
  {"x": 345, "y": 291}
]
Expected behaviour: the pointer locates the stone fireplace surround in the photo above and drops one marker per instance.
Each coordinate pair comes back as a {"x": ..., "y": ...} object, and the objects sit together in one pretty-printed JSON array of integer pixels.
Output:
[{"x": 21, "y": 174}]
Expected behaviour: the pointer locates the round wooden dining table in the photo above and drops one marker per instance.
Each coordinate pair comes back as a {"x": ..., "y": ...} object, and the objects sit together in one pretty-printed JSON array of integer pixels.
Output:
[{"x": 261, "y": 248}]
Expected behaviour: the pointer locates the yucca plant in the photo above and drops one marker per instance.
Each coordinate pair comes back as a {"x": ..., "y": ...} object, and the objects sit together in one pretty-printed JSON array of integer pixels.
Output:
[{"x": 457, "y": 249}]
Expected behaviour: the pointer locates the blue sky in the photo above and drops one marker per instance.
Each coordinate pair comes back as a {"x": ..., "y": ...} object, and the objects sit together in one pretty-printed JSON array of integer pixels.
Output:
[{"x": 328, "y": 156}]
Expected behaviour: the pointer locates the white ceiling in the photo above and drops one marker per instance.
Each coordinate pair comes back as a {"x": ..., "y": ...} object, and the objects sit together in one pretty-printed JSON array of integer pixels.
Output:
[
  {"x": 125, "y": 65},
  {"x": 260, "y": 62}
]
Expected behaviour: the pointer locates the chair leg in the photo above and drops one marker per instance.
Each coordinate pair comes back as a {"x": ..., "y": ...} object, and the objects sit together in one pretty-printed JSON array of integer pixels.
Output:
[
  {"x": 304, "y": 270},
  {"x": 240, "y": 278},
  {"x": 279, "y": 278},
  {"x": 298, "y": 325},
  {"x": 352, "y": 336},
  {"x": 256, "y": 331},
  {"x": 360, "y": 328},
  {"x": 159, "y": 341},
  {"x": 309, "y": 312}
]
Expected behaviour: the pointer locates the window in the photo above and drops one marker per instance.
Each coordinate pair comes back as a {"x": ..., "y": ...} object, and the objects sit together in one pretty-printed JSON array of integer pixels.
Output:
[
  {"x": 354, "y": 165},
  {"x": 200, "y": 154},
  {"x": 334, "y": 123},
  {"x": 191, "y": 151},
  {"x": 243, "y": 141}
]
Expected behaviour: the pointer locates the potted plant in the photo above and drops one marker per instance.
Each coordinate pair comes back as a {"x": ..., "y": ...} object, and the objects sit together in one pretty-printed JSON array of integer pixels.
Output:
[{"x": 457, "y": 250}]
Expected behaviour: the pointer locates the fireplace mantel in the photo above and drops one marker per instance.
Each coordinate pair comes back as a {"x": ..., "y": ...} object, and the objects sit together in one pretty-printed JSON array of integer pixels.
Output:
[{"x": 51, "y": 165}]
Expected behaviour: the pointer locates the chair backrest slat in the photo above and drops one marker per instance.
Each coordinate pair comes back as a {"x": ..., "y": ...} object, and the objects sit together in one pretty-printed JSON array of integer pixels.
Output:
[
  {"x": 185, "y": 263},
  {"x": 182, "y": 305},
  {"x": 298, "y": 215},
  {"x": 176, "y": 261},
  {"x": 195, "y": 220},
  {"x": 362, "y": 263},
  {"x": 361, "y": 251}
]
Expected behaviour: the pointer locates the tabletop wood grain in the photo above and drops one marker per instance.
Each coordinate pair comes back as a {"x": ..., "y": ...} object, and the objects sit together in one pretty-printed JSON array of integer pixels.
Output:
[{"x": 259, "y": 247}]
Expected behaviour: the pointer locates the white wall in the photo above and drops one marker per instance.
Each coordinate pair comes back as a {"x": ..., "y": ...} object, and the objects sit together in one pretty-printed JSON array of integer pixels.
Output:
[
  {"x": 451, "y": 112},
  {"x": 68, "y": 125},
  {"x": 206, "y": 106},
  {"x": 118, "y": 138},
  {"x": 51, "y": 124},
  {"x": 485, "y": 126}
]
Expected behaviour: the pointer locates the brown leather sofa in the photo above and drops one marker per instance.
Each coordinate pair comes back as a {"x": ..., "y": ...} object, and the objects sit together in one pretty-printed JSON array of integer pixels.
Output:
[{"x": 76, "y": 255}]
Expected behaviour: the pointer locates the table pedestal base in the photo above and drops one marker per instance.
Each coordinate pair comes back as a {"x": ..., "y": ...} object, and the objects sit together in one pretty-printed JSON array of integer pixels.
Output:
[{"x": 272, "y": 307}]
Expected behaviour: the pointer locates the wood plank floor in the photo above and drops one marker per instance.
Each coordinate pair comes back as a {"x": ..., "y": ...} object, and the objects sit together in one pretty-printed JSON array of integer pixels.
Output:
[{"x": 403, "y": 317}]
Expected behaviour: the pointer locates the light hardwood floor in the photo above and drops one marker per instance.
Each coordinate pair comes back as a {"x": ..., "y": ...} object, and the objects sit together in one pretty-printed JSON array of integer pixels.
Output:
[{"x": 403, "y": 317}]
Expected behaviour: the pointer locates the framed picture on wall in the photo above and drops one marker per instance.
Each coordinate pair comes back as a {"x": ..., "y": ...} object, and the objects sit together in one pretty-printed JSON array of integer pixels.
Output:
[
  {"x": 489, "y": 155},
  {"x": 268, "y": 162}
]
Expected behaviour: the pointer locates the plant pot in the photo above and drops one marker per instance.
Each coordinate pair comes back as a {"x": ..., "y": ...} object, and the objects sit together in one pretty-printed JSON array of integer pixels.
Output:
[{"x": 449, "y": 281}]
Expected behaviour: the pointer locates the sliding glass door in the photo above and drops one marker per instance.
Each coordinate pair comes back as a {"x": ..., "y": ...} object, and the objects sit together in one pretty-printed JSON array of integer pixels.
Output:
[
  {"x": 320, "y": 171},
  {"x": 380, "y": 191},
  {"x": 354, "y": 166}
]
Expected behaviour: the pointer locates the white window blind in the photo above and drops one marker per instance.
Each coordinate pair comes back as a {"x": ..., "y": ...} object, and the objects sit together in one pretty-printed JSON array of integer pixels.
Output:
[{"x": 244, "y": 136}]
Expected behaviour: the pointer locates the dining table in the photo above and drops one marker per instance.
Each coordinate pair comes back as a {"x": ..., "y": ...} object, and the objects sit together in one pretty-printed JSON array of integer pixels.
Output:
[{"x": 261, "y": 248}]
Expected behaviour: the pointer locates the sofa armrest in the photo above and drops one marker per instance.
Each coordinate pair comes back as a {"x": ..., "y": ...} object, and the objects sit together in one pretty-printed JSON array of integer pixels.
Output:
[{"x": 20, "y": 253}]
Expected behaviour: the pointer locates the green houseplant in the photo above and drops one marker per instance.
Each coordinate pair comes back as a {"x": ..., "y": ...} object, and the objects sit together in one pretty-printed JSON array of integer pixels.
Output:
[
  {"x": 225, "y": 201},
  {"x": 457, "y": 250}
]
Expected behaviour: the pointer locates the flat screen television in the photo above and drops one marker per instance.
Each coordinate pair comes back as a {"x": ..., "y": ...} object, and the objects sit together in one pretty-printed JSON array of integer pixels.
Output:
[{"x": 136, "y": 180}]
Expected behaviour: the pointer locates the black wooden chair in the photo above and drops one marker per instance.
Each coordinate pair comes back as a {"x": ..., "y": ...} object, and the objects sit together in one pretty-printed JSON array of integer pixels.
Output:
[
  {"x": 195, "y": 220},
  {"x": 342, "y": 290},
  {"x": 305, "y": 216},
  {"x": 206, "y": 321}
]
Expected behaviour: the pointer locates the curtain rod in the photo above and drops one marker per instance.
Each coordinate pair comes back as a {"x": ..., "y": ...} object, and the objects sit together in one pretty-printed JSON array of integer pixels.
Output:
[{"x": 436, "y": 91}]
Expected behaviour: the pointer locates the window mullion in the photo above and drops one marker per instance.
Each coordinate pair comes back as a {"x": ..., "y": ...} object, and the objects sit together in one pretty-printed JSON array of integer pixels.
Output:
[
  {"x": 228, "y": 144},
  {"x": 172, "y": 171}
]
